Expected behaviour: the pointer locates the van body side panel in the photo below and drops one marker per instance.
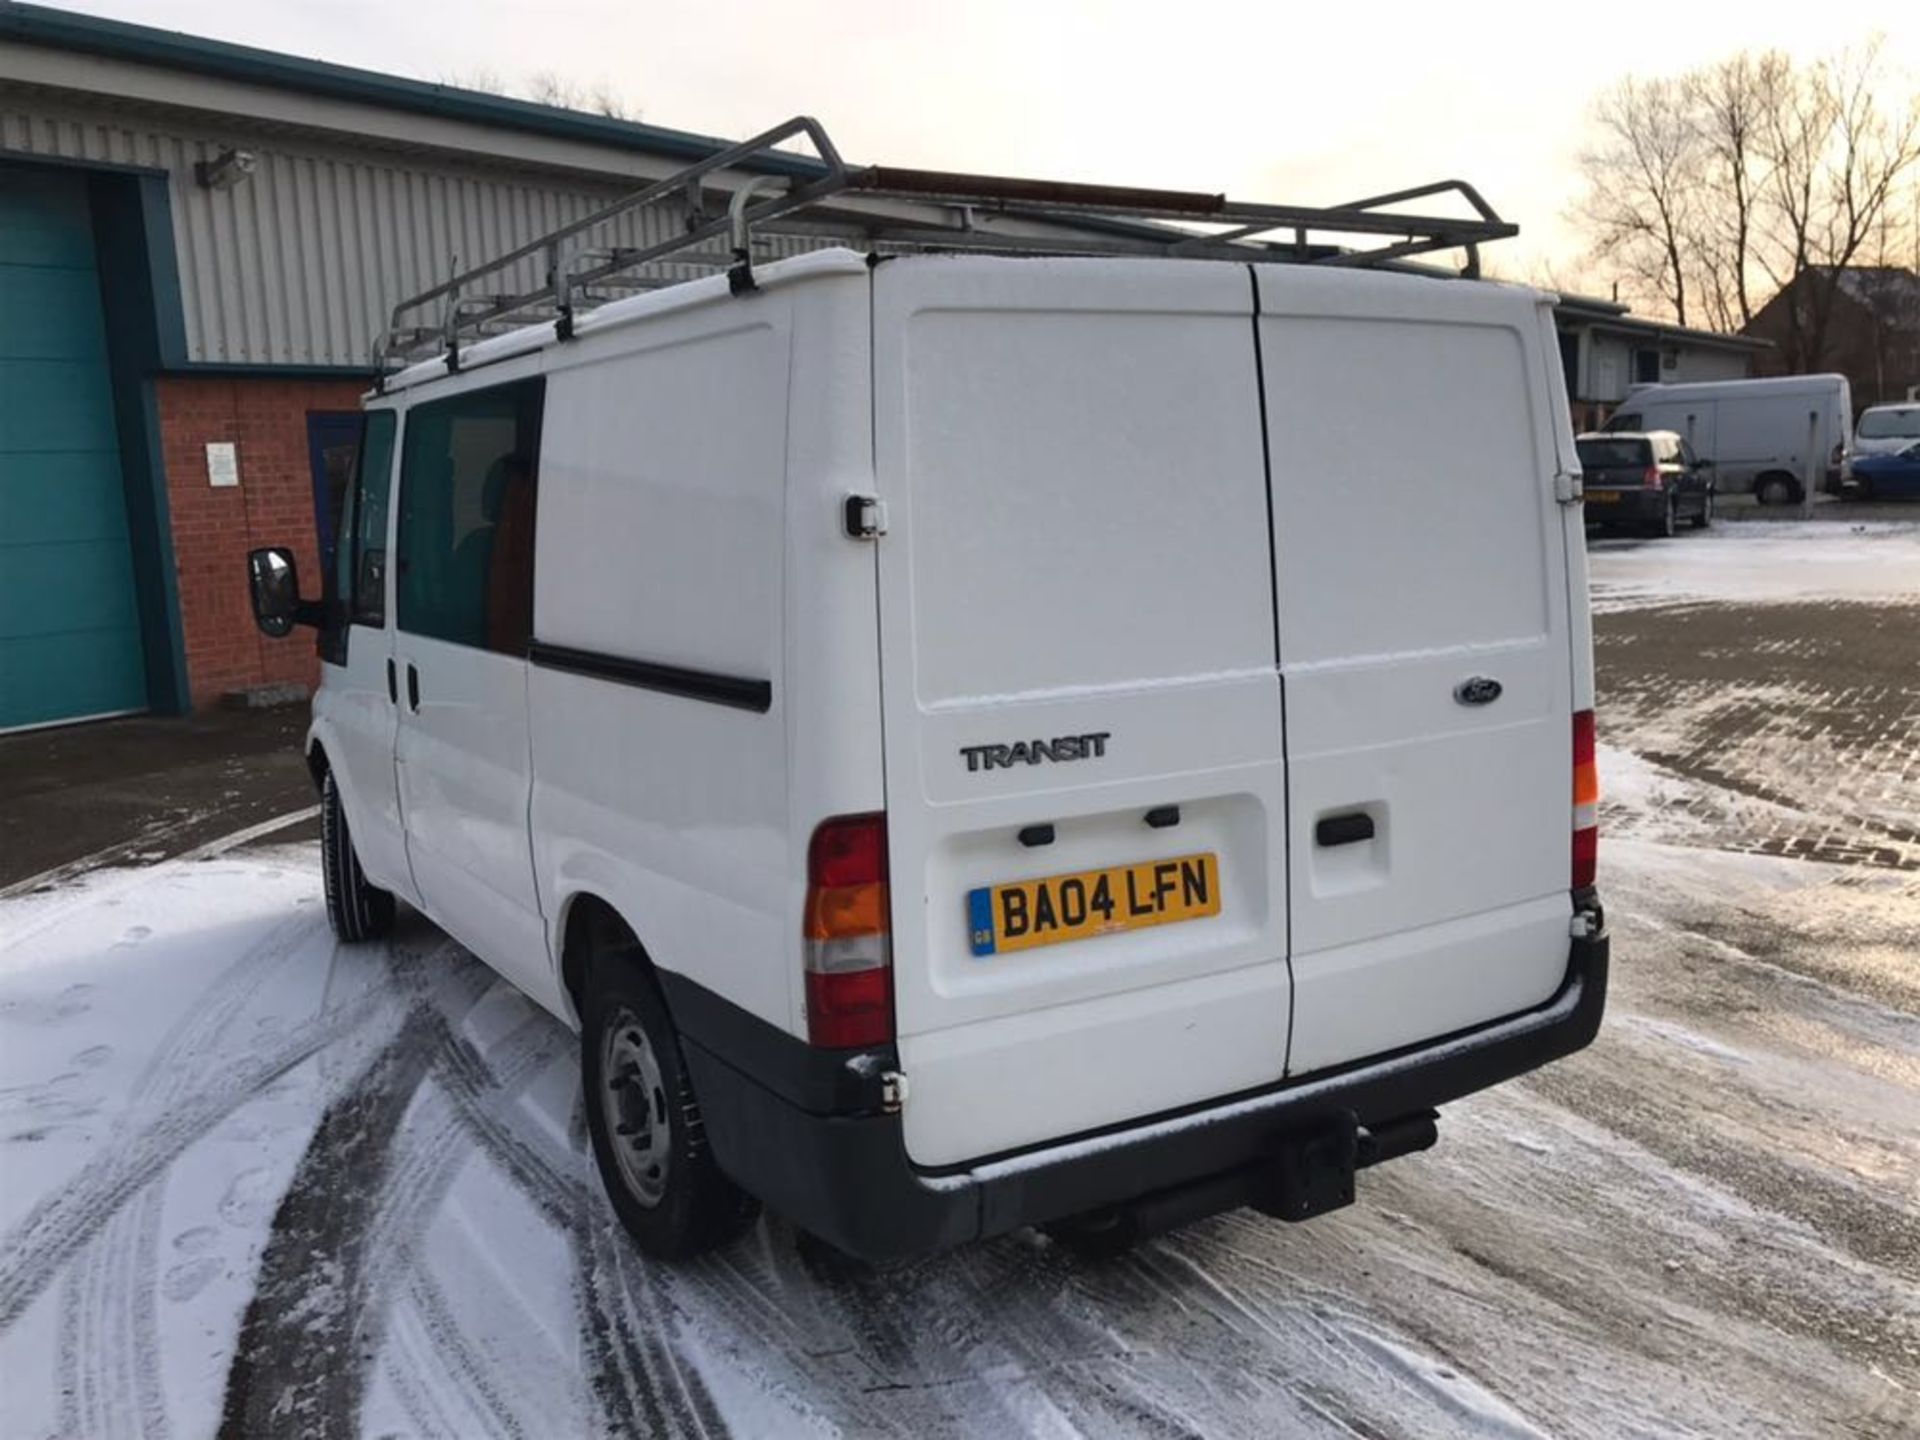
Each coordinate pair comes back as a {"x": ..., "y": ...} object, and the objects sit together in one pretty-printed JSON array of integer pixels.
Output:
[
  {"x": 659, "y": 544},
  {"x": 1572, "y": 530},
  {"x": 831, "y": 698},
  {"x": 1418, "y": 547},
  {"x": 1076, "y": 630}
]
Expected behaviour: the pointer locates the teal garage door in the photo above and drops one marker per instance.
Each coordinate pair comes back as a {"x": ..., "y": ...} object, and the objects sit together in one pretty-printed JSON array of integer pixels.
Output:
[{"x": 69, "y": 617}]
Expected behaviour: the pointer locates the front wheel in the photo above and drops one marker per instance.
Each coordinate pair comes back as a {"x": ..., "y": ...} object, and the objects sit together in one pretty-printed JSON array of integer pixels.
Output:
[
  {"x": 1776, "y": 490},
  {"x": 356, "y": 909},
  {"x": 648, "y": 1138}
]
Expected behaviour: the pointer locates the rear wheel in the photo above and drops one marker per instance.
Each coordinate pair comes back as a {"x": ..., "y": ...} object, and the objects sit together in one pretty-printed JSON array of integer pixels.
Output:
[
  {"x": 1705, "y": 517},
  {"x": 356, "y": 909},
  {"x": 1776, "y": 490},
  {"x": 648, "y": 1137},
  {"x": 1670, "y": 518}
]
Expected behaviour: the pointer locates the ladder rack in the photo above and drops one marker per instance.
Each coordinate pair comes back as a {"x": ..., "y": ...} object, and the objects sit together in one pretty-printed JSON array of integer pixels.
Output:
[{"x": 755, "y": 195}]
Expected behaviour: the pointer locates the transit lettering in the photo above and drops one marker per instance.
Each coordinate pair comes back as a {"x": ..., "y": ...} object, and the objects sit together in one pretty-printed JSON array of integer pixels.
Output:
[{"x": 1032, "y": 752}]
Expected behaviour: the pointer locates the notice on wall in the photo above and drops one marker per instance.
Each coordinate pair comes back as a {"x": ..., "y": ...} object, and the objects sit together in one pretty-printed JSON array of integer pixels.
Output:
[{"x": 223, "y": 463}]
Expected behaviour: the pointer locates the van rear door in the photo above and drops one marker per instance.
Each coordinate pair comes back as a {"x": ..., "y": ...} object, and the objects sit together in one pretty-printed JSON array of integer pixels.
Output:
[
  {"x": 1426, "y": 652},
  {"x": 1084, "y": 778}
]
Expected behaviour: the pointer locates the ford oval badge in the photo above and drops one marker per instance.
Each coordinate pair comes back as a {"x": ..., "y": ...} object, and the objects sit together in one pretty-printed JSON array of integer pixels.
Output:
[{"x": 1480, "y": 690}]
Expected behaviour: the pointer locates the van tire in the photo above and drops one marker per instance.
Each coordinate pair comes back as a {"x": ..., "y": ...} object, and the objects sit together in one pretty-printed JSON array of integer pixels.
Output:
[
  {"x": 673, "y": 1199},
  {"x": 1776, "y": 490},
  {"x": 356, "y": 909}
]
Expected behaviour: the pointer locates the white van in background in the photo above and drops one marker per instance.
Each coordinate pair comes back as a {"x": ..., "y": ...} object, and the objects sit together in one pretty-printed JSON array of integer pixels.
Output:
[
  {"x": 973, "y": 741},
  {"x": 1758, "y": 435}
]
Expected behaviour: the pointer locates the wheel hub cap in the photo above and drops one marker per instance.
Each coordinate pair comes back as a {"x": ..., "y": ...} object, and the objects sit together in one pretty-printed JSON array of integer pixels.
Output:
[{"x": 633, "y": 1105}]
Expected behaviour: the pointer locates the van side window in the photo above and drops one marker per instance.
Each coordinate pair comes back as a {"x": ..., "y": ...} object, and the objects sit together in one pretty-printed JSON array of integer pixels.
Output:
[
  {"x": 1624, "y": 422},
  {"x": 467, "y": 486},
  {"x": 360, "y": 555}
]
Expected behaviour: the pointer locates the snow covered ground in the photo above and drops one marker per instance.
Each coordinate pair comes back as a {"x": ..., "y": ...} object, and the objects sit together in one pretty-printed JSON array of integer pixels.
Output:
[
  {"x": 251, "y": 1180},
  {"x": 1758, "y": 562}
]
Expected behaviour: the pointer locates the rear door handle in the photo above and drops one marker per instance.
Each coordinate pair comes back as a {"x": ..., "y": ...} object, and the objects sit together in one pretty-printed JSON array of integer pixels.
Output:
[
  {"x": 413, "y": 688},
  {"x": 1344, "y": 829},
  {"x": 393, "y": 683}
]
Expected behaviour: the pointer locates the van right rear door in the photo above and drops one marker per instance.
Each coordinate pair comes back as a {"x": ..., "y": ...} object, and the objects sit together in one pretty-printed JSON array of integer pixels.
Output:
[{"x": 1425, "y": 644}]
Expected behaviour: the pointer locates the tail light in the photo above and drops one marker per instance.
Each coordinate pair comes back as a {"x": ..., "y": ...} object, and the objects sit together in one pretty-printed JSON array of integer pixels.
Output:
[
  {"x": 849, "y": 955},
  {"x": 1653, "y": 479},
  {"x": 1586, "y": 802}
]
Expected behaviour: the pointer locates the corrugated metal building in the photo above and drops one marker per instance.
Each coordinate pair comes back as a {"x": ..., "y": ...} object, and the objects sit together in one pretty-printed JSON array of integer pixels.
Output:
[
  {"x": 199, "y": 244},
  {"x": 1605, "y": 351}
]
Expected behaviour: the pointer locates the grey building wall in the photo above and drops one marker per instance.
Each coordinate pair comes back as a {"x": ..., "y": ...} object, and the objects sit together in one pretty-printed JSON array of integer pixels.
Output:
[
  {"x": 300, "y": 263},
  {"x": 1608, "y": 358}
]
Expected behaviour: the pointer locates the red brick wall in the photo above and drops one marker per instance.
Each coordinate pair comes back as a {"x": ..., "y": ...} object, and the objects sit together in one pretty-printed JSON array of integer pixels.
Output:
[{"x": 213, "y": 528}]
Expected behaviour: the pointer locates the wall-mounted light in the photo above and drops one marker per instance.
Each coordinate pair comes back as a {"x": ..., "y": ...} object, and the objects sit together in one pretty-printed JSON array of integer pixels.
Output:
[{"x": 225, "y": 170}]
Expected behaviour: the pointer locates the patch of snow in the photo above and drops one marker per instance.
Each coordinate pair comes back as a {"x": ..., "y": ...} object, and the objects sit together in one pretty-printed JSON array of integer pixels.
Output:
[{"x": 1760, "y": 562}]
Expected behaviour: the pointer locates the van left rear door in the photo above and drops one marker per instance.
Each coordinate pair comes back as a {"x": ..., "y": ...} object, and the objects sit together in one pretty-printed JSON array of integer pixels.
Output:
[{"x": 1086, "y": 794}]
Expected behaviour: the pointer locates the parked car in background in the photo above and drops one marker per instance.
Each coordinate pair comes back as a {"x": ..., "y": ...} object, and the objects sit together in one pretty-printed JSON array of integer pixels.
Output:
[
  {"x": 1888, "y": 475},
  {"x": 1651, "y": 481},
  {"x": 1759, "y": 434},
  {"x": 1886, "y": 429}
]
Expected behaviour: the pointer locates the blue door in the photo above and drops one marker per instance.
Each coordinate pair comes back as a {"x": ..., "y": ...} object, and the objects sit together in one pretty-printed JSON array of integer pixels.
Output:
[
  {"x": 69, "y": 614},
  {"x": 333, "y": 442}
]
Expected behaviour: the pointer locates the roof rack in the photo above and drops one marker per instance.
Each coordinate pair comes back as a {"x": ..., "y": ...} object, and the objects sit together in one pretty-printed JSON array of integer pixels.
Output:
[{"x": 754, "y": 195}]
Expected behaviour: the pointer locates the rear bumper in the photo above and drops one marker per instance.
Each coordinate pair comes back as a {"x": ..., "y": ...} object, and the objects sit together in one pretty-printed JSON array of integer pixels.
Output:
[
  {"x": 803, "y": 1130},
  {"x": 1628, "y": 507}
]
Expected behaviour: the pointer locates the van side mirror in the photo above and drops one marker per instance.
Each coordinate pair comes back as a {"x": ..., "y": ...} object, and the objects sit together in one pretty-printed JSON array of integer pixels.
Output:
[{"x": 275, "y": 582}]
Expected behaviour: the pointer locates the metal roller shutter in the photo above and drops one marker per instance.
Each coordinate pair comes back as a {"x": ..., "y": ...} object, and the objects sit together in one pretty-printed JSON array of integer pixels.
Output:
[{"x": 69, "y": 617}]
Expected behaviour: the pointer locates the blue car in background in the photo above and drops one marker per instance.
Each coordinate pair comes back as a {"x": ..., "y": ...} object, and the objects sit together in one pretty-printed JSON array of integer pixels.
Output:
[{"x": 1890, "y": 475}]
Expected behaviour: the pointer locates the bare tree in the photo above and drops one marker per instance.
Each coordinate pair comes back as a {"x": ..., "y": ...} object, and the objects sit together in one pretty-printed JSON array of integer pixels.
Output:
[
  {"x": 1749, "y": 176},
  {"x": 1840, "y": 153},
  {"x": 1642, "y": 174},
  {"x": 549, "y": 87},
  {"x": 1727, "y": 105}
]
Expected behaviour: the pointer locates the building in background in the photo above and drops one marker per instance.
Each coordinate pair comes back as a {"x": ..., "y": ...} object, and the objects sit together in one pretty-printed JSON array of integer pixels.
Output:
[
  {"x": 1605, "y": 351},
  {"x": 199, "y": 243},
  {"x": 1872, "y": 334}
]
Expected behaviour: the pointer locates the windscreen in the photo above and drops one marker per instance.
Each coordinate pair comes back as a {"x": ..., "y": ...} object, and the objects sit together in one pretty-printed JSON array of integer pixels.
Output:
[
  {"x": 1613, "y": 454},
  {"x": 1902, "y": 424}
]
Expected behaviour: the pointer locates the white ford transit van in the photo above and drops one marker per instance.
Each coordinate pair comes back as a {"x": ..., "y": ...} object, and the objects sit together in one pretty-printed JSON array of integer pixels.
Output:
[{"x": 974, "y": 740}]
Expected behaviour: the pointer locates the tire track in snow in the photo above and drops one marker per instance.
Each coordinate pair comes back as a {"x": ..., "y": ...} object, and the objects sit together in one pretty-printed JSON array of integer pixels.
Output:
[
  {"x": 116, "y": 1330},
  {"x": 301, "y": 1362},
  {"x": 416, "y": 1188},
  {"x": 645, "y": 1300},
  {"x": 49, "y": 1235},
  {"x": 626, "y": 1332}
]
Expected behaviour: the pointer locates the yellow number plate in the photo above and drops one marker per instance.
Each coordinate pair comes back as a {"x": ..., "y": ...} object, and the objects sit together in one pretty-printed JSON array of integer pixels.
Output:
[
  {"x": 1603, "y": 497},
  {"x": 1026, "y": 913}
]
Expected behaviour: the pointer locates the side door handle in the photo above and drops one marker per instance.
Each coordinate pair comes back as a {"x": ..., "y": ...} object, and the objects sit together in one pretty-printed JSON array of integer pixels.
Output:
[
  {"x": 413, "y": 688},
  {"x": 1343, "y": 829},
  {"x": 393, "y": 683}
]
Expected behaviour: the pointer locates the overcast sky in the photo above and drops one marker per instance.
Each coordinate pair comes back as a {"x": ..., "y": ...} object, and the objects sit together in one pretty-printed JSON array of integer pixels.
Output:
[{"x": 1311, "y": 103}]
